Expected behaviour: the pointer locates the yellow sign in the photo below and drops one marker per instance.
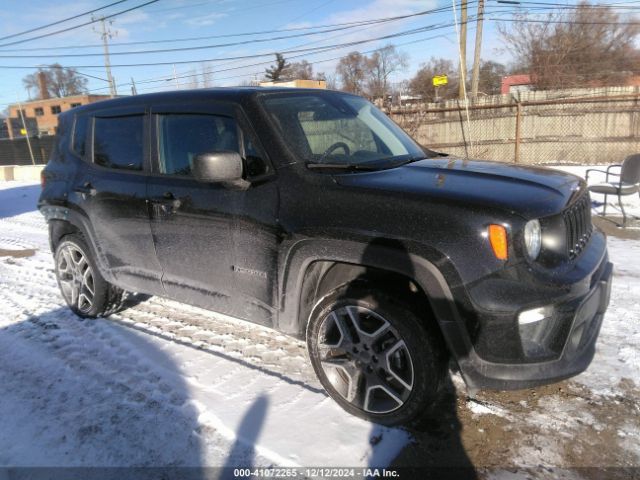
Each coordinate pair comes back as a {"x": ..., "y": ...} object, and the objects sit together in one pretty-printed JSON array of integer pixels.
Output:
[
  {"x": 23, "y": 131},
  {"x": 439, "y": 80}
]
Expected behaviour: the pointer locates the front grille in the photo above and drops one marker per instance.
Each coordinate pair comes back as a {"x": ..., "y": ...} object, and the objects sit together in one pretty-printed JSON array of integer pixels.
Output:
[{"x": 577, "y": 220}]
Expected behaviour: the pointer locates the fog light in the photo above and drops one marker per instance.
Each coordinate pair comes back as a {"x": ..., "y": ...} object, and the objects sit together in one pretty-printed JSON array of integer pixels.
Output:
[
  {"x": 535, "y": 315},
  {"x": 537, "y": 332}
]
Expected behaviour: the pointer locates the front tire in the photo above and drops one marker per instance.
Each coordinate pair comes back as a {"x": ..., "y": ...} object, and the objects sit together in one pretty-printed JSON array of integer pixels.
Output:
[
  {"x": 374, "y": 355},
  {"x": 82, "y": 286}
]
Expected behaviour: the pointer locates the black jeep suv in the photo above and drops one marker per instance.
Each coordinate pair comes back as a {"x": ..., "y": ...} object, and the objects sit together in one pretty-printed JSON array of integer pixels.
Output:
[{"x": 311, "y": 212}]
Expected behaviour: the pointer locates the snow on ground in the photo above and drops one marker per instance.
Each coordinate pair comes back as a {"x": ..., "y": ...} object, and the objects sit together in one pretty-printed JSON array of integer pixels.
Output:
[
  {"x": 618, "y": 349},
  {"x": 164, "y": 384},
  {"x": 618, "y": 352},
  {"x": 99, "y": 393}
]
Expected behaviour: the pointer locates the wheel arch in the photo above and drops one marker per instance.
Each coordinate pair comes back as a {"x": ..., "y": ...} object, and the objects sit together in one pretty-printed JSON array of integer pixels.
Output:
[
  {"x": 314, "y": 267},
  {"x": 68, "y": 221},
  {"x": 59, "y": 229}
]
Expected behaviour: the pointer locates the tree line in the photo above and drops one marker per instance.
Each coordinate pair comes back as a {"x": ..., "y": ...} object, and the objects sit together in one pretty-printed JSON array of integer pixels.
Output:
[{"x": 588, "y": 46}]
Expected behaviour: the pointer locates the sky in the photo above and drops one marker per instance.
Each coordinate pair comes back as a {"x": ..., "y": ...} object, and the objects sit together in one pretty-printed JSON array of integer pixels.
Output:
[
  {"x": 180, "y": 19},
  {"x": 215, "y": 24}
]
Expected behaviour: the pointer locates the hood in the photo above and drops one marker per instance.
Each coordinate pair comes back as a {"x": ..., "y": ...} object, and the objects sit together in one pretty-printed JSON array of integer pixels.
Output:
[{"x": 527, "y": 191}]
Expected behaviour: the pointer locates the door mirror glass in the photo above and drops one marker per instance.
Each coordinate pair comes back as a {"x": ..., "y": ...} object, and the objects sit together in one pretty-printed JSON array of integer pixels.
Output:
[{"x": 218, "y": 167}]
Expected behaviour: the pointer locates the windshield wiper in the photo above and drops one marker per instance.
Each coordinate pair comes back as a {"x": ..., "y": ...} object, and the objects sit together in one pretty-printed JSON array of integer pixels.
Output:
[
  {"x": 343, "y": 166},
  {"x": 433, "y": 154}
]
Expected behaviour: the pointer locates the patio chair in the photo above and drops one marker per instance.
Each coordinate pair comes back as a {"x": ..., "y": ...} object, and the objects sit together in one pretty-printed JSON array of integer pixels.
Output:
[{"x": 628, "y": 182}]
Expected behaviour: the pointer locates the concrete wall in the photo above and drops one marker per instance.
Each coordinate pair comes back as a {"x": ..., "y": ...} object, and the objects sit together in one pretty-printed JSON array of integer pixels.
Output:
[{"x": 20, "y": 172}]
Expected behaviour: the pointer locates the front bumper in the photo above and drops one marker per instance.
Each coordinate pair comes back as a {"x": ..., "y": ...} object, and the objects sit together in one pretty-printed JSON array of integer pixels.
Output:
[{"x": 571, "y": 340}]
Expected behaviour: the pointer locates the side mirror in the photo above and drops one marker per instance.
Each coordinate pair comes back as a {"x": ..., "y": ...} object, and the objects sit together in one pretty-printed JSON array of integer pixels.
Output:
[{"x": 224, "y": 166}]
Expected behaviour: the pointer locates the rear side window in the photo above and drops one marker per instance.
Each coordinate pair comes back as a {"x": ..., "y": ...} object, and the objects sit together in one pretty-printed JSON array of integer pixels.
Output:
[
  {"x": 183, "y": 136},
  {"x": 80, "y": 135},
  {"x": 118, "y": 142}
]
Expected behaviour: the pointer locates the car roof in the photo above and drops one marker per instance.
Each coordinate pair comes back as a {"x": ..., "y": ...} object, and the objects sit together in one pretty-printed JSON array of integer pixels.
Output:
[{"x": 231, "y": 94}]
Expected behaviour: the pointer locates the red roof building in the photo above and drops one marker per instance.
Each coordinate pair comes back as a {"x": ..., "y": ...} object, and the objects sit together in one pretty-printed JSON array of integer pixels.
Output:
[{"x": 516, "y": 83}]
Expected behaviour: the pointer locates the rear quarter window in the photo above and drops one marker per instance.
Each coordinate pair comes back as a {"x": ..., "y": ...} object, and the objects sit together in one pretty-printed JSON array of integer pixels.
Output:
[{"x": 78, "y": 142}]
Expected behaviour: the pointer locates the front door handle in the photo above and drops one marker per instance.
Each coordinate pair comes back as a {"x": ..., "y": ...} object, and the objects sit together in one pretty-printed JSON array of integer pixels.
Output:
[{"x": 166, "y": 204}]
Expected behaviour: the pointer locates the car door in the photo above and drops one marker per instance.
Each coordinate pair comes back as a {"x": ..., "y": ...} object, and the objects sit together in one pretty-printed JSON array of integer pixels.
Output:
[
  {"x": 111, "y": 190},
  {"x": 205, "y": 260}
]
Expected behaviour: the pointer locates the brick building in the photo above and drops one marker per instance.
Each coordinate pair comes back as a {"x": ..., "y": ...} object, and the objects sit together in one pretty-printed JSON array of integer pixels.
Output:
[{"x": 45, "y": 113}]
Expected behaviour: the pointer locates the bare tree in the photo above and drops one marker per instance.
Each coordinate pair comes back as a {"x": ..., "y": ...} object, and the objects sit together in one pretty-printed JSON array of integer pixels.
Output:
[
  {"x": 382, "y": 63},
  {"x": 194, "y": 81},
  {"x": 422, "y": 83},
  {"x": 330, "y": 79},
  {"x": 490, "y": 77},
  {"x": 207, "y": 75},
  {"x": 279, "y": 71},
  {"x": 300, "y": 71},
  {"x": 591, "y": 45},
  {"x": 351, "y": 70},
  {"x": 59, "y": 81}
]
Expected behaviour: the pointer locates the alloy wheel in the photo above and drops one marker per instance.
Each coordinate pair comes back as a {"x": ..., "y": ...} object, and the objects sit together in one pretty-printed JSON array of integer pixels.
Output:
[
  {"x": 76, "y": 278},
  {"x": 365, "y": 359}
]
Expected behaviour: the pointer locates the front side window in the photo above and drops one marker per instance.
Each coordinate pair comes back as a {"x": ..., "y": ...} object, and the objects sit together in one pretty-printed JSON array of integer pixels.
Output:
[
  {"x": 341, "y": 129},
  {"x": 118, "y": 142},
  {"x": 254, "y": 160},
  {"x": 181, "y": 137}
]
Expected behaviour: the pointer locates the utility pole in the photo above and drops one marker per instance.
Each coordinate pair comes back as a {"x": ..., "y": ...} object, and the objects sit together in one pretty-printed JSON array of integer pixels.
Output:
[
  {"x": 463, "y": 50},
  {"x": 26, "y": 130},
  {"x": 134, "y": 90},
  {"x": 106, "y": 34},
  {"x": 175, "y": 77},
  {"x": 475, "y": 77}
]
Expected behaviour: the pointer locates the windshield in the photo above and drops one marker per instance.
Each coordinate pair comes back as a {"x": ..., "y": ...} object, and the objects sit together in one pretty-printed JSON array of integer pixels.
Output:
[{"x": 339, "y": 130}]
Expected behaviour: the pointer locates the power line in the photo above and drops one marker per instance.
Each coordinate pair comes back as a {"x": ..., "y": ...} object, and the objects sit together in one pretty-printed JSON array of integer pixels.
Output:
[
  {"x": 579, "y": 6},
  {"x": 169, "y": 78},
  {"x": 180, "y": 7},
  {"x": 185, "y": 49},
  {"x": 322, "y": 41},
  {"x": 322, "y": 5},
  {"x": 44, "y": 35},
  {"x": 568, "y": 22},
  {"x": 89, "y": 12},
  {"x": 231, "y": 35},
  {"x": 243, "y": 57},
  {"x": 265, "y": 63}
]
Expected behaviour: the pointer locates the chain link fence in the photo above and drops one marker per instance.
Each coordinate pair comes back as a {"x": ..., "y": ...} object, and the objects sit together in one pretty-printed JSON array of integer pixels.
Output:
[{"x": 590, "y": 129}]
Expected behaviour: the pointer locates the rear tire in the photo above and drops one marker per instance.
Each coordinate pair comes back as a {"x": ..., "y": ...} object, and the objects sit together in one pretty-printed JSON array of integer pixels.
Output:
[
  {"x": 82, "y": 286},
  {"x": 375, "y": 355}
]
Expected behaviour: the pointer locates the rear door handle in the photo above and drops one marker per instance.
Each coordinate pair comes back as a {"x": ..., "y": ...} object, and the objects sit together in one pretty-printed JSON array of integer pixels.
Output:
[{"x": 86, "y": 189}]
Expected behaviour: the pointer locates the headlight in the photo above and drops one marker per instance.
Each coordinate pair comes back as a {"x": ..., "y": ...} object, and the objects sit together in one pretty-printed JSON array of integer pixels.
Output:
[{"x": 533, "y": 238}]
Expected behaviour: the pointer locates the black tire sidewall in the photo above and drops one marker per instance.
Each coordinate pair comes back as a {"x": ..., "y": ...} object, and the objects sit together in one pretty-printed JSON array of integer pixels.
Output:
[
  {"x": 424, "y": 347},
  {"x": 101, "y": 286}
]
